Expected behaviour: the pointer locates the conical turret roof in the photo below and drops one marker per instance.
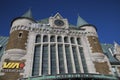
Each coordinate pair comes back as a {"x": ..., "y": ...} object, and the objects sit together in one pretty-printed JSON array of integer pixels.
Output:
[
  {"x": 28, "y": 14},
  {"x": 80, "y": 21}
]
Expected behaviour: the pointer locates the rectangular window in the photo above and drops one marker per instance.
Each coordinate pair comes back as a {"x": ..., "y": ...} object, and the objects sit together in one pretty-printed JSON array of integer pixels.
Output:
[
  {"x": 77, "y": 66},
  {"x": 45, "y": 60},
  {"x": 61, "y": 58},
  {"x": 68, "y": 57},
  {"x": 53, "y": 59},
  {"x": 83, "y": 60},
  {"x": 36, "y": 61}
]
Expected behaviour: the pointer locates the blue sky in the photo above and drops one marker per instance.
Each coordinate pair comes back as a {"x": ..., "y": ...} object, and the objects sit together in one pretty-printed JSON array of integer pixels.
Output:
[{"x": 104, "y": 14}]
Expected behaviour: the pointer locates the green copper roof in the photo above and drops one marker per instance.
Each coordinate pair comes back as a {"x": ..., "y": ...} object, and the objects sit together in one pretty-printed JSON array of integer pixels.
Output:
[
  {"x": 80, "y": 21},
  {"x": 108, "y": 50},
  {"x": 28, "y": 14},
  {"x": 43, "y": 21}
]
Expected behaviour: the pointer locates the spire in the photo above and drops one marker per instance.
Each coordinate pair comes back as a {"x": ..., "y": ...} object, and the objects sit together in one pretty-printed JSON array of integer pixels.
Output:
[
  {"x": 28, "y": 14},
  {"x": 80, "y": 21}
]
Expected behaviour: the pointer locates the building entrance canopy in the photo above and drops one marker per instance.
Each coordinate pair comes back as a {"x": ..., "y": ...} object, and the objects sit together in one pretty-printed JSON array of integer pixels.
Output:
[{"x": 73, "y": 76}]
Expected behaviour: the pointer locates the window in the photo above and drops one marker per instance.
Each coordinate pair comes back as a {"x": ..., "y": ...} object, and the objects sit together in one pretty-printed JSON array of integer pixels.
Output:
[
  {"x": 77, "y": 66},
  {"x": 72, "y": 40},
  {"x": 52, "y": 39},
  {"x": 20, "y": 34},
  {"x": 53, "y": 59},
  {"x": 45, "y": 38},
  {"x": 45, "y": 60},
  {"x": 61, "y": 58},
  {"x": 78, "y": 41},
  {"x": 69, "y": 60},
  {"x": 66, "y": 39},
  {"x": 83, "y": 60},
  {"x": 36, "y": 61},
  {"x": 59, "y": 39},
  {"x": 38, "y": 39}
]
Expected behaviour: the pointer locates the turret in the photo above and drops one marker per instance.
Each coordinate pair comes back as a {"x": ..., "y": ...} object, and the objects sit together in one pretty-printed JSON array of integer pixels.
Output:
[
  {"x": 16, "y": 46},
  {"x": 99, "y": 60}
]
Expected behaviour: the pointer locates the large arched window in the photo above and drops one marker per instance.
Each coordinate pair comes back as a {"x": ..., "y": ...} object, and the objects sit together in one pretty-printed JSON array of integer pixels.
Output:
[
  {"x": 38, "y": 39},
  {"x": 79, "y": 41},
  {"x": 45, "y": 38},
  {"x": 72, "y": 40},
  {"x": 66, "y": 39},
  {"x": 59, "y": 39},
  {"x": 52, "y": 39}
]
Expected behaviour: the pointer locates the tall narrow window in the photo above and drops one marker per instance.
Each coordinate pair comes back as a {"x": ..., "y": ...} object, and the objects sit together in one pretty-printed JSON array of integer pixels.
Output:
[
  {"x": 72, "y": 40},
  {"x": 83, "y": 60},
  {"x": 69, "y": 61},
  {"x": 77, "y": 66},
  {"x": 59, "y": 39},
  {"x": 66, "y": 39},
  {"x": 36, "y": 61},
  {"x": 45, "y": 60},
  {"x": 38, "y": 38},
  {"x": 78, "y": 41},
  {"x": 53, "y": 59},
  {"x": 52, "y": 39},
  {"x": 61, "y": 58},
  {"x": 45, "y": 38},
  {"x": 20, "y": 34}
]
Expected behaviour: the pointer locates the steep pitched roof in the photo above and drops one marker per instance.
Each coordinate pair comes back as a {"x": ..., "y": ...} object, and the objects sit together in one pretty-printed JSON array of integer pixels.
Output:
[
  {"x": 108, "y": 50},
  {"x": 80, "y": 21},
  {"x": 28, "y": 14}
]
